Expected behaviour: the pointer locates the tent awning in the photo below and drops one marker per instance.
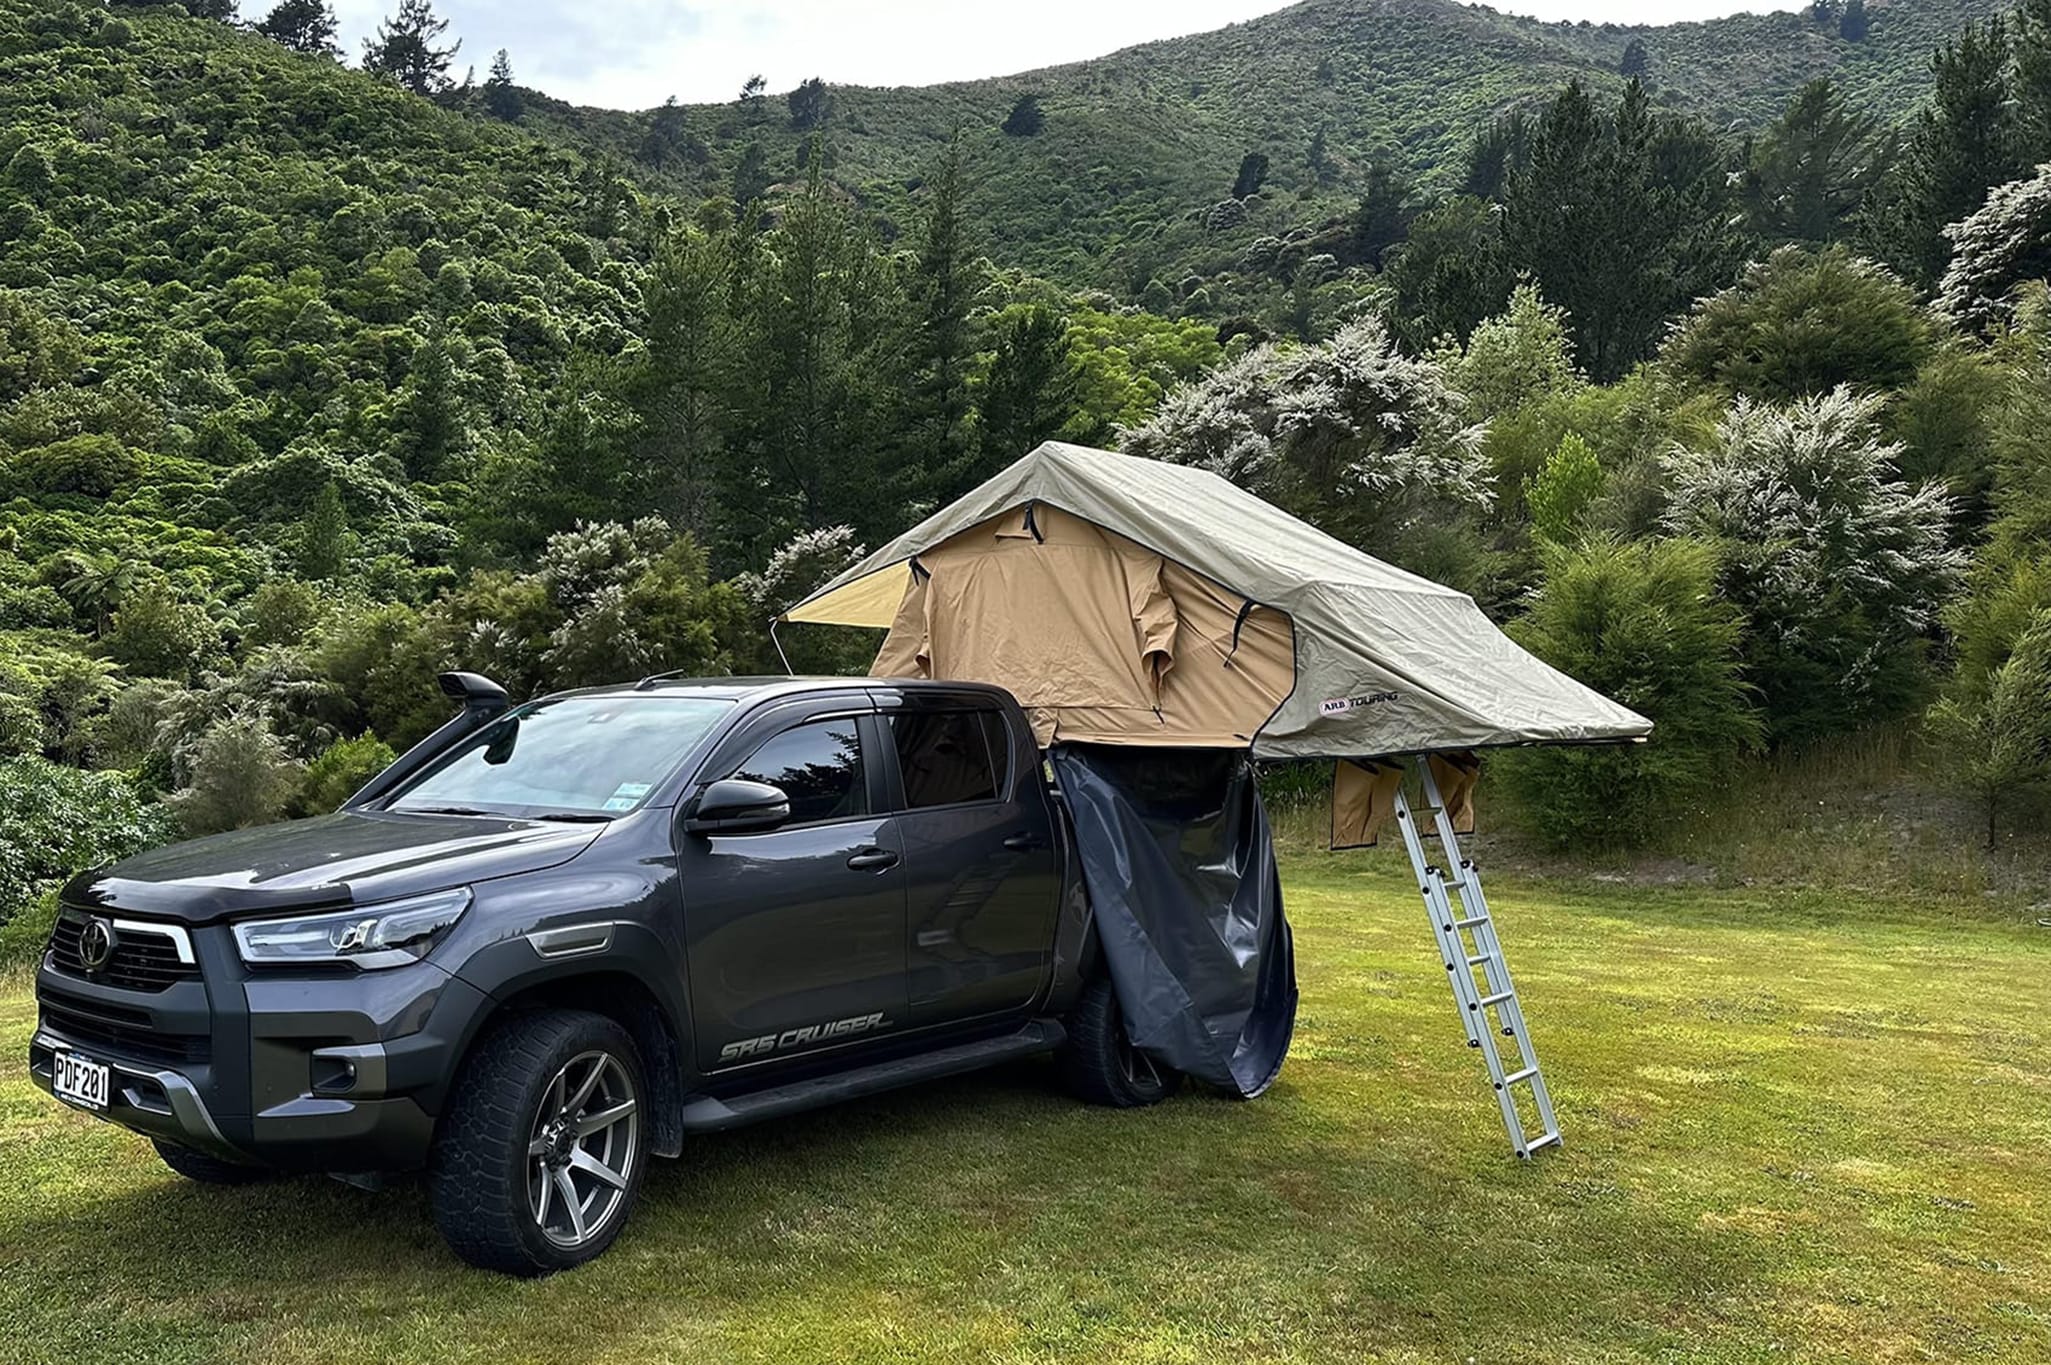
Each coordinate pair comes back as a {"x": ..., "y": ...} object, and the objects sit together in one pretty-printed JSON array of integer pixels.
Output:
[{"x": 1385, "y": 662}]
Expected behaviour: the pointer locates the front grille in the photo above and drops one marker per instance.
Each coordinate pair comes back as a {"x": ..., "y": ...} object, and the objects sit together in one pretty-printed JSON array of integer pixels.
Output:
[
  {"x": 127, "y": 1032},
  {"x": 142, "y": 961}
]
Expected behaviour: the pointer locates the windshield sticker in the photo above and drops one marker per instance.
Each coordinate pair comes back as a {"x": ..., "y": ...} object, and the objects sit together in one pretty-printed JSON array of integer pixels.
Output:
[
  {"x": 632, "y": 791},
  {"x": 619, "y": 803}
]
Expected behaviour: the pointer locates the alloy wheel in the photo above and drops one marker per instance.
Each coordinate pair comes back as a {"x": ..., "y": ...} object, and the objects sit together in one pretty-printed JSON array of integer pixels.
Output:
[{"x": 581, "y": 1152}]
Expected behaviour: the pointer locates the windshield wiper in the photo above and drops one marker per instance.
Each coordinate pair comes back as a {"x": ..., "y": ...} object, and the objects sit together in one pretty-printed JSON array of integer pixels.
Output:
[
  {"x": 578, "y": 817},
  {"x": 445, "y": 810}
]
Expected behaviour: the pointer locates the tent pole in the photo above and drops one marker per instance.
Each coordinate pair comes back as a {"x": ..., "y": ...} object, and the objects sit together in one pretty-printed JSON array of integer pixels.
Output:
[{"x": 774, "y": 622}]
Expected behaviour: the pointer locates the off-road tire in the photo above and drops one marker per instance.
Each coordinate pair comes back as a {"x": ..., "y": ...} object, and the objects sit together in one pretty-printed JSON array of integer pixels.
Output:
[
  {"x": 1099, "y": 1065},
  {"x": 478, "y": 1173},
  {"x": 207, "y": 1170}
]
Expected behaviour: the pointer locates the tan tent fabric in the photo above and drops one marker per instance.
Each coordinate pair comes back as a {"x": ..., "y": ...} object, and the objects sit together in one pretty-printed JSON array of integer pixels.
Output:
[
  {"x": 1457, "y": 776},
  {"x": 1363, "y": 801},
  {"x": 1101, "y": 639},
  {"x": 1385, "y": 662}
]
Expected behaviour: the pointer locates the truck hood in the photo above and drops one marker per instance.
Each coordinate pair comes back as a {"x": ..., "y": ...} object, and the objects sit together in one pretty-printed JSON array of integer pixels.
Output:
[{"x": 353, "y": 857}]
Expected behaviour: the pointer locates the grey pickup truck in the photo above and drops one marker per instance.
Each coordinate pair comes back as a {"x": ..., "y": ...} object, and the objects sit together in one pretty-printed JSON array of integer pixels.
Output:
[{"x": 554, "y": 939}]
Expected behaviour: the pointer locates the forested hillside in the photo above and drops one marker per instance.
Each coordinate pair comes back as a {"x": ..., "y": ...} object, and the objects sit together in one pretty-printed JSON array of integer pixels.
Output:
[
  {"x": 1131, "y": 176},
  {"x": 315, "y": 381}
]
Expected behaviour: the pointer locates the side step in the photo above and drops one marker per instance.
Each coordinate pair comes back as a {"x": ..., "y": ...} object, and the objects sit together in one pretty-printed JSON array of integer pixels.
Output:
[{"x": 710, "y": 1113}]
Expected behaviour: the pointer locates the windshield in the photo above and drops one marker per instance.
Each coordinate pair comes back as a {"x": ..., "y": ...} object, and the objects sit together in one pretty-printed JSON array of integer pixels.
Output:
[{"x": 576, "y": 758}]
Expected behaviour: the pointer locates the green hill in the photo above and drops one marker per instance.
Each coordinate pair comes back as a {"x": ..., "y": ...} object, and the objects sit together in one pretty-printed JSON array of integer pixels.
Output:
[{"x": 1138, "y": 146}]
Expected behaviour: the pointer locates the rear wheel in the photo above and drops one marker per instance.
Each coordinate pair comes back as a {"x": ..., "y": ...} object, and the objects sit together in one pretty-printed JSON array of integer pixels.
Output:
[
  {"x": 207, "y": 1170},
  {"x": 540, "y": 1154},
  {"x": 1100, "y": 1065}
]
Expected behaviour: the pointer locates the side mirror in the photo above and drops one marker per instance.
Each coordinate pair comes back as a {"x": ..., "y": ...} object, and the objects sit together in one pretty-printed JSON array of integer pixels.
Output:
[{"x": 735, "y": 805}]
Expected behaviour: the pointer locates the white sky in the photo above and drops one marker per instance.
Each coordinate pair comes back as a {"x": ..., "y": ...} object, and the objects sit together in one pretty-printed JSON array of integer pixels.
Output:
[{"x": 634, "y": 54}]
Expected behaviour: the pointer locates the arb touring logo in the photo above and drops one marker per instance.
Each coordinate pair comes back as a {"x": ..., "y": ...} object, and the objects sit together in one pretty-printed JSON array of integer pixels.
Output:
[
  {"x": 801, "y": 1036},
  {"x": 1339, "y": 706}
]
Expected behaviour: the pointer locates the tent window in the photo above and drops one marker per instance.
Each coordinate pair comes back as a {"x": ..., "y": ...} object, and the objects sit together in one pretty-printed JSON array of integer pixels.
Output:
[
  {"x": 944, "y": 757},
  {"x": 819, "y": 767}
]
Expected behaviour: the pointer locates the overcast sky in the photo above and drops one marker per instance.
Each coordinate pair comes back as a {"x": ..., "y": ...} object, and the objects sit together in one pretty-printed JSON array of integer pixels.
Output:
[{"x": 633, "y": 54}]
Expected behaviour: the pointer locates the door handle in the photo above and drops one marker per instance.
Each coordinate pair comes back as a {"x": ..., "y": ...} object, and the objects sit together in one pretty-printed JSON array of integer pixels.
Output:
[
  {"x": 873, "y": 860},
  {"x": 1025, "y": 841}
]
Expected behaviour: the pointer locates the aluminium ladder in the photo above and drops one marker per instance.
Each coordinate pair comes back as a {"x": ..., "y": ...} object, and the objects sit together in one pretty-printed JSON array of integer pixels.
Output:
[{"x": 1489, "y": 1007}]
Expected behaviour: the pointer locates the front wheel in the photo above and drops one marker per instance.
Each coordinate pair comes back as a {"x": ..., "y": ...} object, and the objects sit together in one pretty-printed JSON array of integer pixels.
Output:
[
  {"x": 540, "y": 1155},
  {"x": 1100, "y": 1065}
]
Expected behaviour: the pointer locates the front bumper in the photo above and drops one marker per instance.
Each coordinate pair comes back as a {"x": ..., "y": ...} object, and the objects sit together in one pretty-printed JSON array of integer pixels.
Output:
[
  {"x": 161, "y": 1104},
  {"x": 339, "y": 1072}
]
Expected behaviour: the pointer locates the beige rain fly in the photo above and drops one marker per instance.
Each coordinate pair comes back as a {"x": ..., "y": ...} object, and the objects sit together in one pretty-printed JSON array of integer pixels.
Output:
[{"x": 1128, "y": 601}]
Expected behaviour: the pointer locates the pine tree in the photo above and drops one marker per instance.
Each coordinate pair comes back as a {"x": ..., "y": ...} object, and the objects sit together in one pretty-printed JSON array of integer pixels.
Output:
[
  {"x": 1319, "y": 158},
  {"x": 1253, "y": 173},
  {"x": 1497, "y": 153},
  {"x": 751, "y": 175},
  {"x": 2032, "y": 81},
  {"x": 501, "y": 96},
  {"x": 1811, "y": 171},
  {"x": 404, "y": 50},
  {"x": 431, "y": 424},
  {"x": 808, "y": 105},
  {"x": 1637, "y": 60},
  {"x": 687, "y": 376},
  {"x": 1382, "y": 218},
  {"x": 1026, "y": 117},
  {"x": 667, "y": 134},
  {"x": 1853, "y": 24},
  {"x": 1033, "y": 387},
  {"x": 1961, "y": 145},
  {"x": 1623, "y": 219},
  {"x": 304, "y": 26},
  {"x": 324, "y": 540},
  {"x": 753, "y": 98},
  {"x": 945, "y": 281}
]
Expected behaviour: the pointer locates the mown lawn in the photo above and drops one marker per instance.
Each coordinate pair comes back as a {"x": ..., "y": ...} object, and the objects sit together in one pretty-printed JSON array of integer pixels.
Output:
[{"x": 1798, "y": 1127}]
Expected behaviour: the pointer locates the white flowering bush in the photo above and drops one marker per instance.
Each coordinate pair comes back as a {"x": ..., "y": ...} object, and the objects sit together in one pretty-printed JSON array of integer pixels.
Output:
[
  {"x": 2006, "y": 243},
  {"x": 1353, "y": 435},
  {"x": 1840, "y": 567}
]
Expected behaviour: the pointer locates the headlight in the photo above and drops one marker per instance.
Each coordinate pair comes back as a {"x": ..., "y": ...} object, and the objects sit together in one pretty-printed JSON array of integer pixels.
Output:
[{"x": 369, "y": 936}]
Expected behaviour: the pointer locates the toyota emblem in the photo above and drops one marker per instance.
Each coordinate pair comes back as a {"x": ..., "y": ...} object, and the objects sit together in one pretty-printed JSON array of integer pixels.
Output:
[{"x": 96, "y": 945}]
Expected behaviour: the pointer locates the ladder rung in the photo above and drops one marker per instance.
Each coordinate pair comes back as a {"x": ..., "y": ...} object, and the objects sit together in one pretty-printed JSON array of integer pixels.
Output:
[
  {"x": 1480, "y": 958},
  {"x": 1470, "y": 923},
  {"x": 1548, "y": 1140},
  {"x": 1498, "y": 998},
  {"x": 1526, "y": 1074}
]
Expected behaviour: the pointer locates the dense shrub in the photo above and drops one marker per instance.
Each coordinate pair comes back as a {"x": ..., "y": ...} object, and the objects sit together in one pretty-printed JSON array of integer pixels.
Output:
[
  {"x": 1996, "y": 738},
  {"x": 239, "y": 775},
  {"x": 1800, "y": 324},
  {"x": 1525, "y": 354},
  {"x": 1565, "y": 490},
  {"x": 57, "y": 821},
  {"x": 342, "y": 768},
  {"x": 1640, "y": 623}
]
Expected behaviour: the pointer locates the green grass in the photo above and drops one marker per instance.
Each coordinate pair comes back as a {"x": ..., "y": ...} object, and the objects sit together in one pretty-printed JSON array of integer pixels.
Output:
[{"x": 1799, "y": 1127}]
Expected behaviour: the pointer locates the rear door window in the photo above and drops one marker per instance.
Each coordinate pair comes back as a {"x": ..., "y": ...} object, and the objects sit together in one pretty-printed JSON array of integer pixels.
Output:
[
  {"x": 819, "y": 767},
  {"x": 944, "y": 757}
]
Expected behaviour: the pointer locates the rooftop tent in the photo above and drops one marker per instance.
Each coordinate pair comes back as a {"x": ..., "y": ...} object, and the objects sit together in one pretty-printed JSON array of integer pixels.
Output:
[
  {"x": 1151, "y": 617},
  {"x": 1129, "y": 601}
]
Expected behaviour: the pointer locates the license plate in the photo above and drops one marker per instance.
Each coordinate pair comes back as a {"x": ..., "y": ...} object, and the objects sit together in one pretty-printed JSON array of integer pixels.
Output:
[{"x": 80, "y": 1080}]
